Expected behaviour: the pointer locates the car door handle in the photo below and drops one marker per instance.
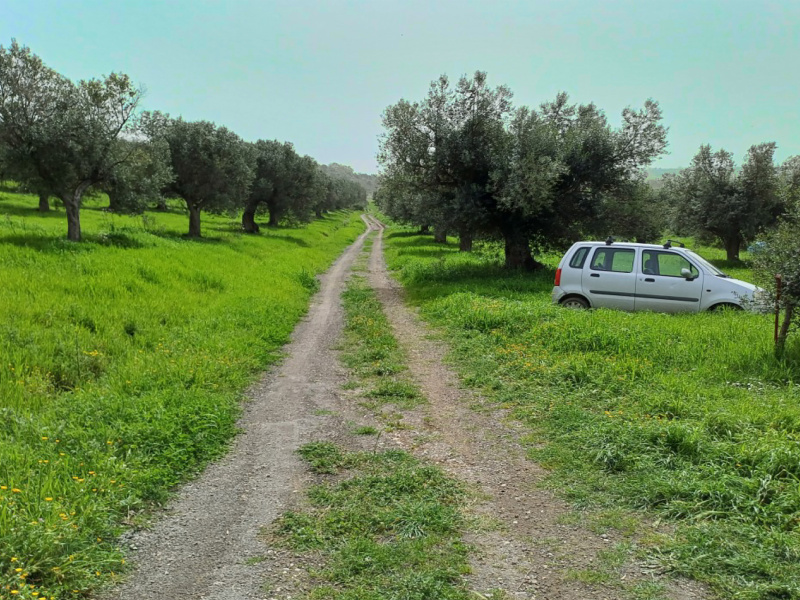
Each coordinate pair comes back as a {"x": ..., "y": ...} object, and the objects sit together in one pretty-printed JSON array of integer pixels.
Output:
[
  {"x": 594, "y": 275},
  {"x": 649, "y": 280}
]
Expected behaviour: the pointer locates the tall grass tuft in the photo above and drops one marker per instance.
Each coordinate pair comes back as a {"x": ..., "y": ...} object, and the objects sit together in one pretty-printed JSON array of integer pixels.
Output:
[{"x": 391, "y": 529}]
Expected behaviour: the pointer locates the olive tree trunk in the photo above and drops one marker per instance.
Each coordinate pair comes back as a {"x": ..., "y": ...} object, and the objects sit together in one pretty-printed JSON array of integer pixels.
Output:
[
  {"x": 465, "y": 241},
  {"x": 194, "y": 220},
  {"x": 72, "y": 204},
  {"x": 518, "y": 250},
  {"x": 249, "y": 218},
  {"x": 274, "y": 214},
  {"x": 439, "y": 235},
  {"x": 780, "y": 343},
  {"x": 732, "y": 245},
  {"x": 44, "y": 202},
  {"x": 113, "y": 201},
  {"x": 73, "y": 220}
]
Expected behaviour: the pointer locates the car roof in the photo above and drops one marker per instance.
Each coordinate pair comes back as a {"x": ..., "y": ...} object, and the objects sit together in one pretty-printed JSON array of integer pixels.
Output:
[{"x": 629, "y": 245}]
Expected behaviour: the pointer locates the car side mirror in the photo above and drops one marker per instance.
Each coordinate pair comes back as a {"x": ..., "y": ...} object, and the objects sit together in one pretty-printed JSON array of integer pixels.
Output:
[{"x": 687, "y": 274}]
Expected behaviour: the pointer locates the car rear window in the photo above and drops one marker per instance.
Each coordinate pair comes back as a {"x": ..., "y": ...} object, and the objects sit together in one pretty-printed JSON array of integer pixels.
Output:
[
  {"x": 579, "y": 258},
  {"x": 619, "y": 260}
]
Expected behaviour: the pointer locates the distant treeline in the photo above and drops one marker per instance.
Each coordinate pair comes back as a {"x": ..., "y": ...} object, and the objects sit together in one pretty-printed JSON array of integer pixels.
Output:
[
  {"x": 67, "y": 139},
  {"x": 365, "y": 180},
  {"x": 655, "y": 174}
]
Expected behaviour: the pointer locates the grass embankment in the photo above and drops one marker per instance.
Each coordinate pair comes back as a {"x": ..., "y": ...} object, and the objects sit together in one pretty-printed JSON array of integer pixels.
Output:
[
  {"x": 689, "y": 417},
  {"x": 388, "y": 525},
  {"x": 122, "y": 362}
]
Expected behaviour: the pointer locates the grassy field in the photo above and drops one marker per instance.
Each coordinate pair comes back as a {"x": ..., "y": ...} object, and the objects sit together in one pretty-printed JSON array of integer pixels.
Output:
[
  {"x": 122, "y": 363},
  {"x": 687, "y": 418}
]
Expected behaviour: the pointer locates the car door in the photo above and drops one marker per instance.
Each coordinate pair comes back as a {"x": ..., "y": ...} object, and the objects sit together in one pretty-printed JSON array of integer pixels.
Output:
[
  {"x": 609, "y": 280},
  {"x": 661, "y": 286}
]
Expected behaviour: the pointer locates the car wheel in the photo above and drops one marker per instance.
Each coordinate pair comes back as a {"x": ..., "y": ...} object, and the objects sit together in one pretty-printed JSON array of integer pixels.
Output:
[
  {"x": 725, "y": 306},
  {"x": 575, "y": 302}
]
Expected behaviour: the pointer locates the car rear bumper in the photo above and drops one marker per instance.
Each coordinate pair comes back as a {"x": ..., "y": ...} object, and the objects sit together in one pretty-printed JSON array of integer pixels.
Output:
[{"x": 557, "y": 294}]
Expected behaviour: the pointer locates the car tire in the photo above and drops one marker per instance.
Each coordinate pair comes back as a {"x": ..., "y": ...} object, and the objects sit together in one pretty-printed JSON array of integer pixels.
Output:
[
  {"x": 575, "y": 302},
  {"x": 725, "y": 306}
]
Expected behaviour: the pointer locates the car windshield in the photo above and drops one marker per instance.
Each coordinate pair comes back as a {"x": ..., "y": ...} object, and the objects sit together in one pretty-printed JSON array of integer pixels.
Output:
[{"x": 707, "y": 265}]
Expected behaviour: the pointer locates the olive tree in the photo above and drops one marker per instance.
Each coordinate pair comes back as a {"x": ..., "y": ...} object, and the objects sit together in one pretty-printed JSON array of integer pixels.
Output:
[
  {"x": 782, "y": 257},
  {"x": 279, "y": 179},
  {"x": 63, "y": 137},
  {"x": 213, "y": 168},
  {"x": 476, "y": 166},
  {"x": 440, "y": 153},
  {"x": 712, "y": 198}
]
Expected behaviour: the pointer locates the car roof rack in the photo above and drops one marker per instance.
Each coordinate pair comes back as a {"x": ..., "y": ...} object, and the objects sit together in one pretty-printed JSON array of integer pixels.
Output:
[
  {"x": 668, "y": 244},
  {"x": 609, "y": 240}
]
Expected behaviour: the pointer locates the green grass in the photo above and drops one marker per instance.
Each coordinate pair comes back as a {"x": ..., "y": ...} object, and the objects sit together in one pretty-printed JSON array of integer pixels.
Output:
[
  {"x": 377, "y": 363},
  {"x": 122, "y": 363},
  {"x": 687, "y": 417},
  {"x": 389, "y": 529},
  {"x": 366, "y": 430}
]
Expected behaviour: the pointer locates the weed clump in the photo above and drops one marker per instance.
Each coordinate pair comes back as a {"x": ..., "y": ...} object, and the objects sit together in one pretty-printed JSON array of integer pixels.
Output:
[{"x": 391, "y": 529}]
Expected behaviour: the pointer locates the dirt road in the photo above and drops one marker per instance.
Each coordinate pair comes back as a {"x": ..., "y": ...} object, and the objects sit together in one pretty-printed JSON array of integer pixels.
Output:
[
  {"x": 208, "y": 545},
  {"x": 200, "y": 549}
]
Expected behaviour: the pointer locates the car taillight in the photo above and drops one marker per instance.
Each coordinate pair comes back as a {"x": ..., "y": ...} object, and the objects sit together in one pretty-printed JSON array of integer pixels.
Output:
[{"x": 558, "y": 277}]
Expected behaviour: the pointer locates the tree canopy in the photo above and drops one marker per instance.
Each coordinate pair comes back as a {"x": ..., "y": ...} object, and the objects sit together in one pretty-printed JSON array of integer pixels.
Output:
[
  {"x": 141, "y": 178},
  {"x": 712, "y": 198},
  {"x": 63, "y": 137},
  {"x": 465, "y": 161}
]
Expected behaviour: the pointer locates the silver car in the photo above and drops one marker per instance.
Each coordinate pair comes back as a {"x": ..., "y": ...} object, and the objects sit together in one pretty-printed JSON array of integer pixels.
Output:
[{"x": 661, "y": 278}]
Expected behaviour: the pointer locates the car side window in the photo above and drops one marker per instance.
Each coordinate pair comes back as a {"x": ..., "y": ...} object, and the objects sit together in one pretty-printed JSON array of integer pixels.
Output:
[
  {"x": 666, "y": 264},
  {"x": 618, "y": 260},
  {"x": 579, "y": 258}
]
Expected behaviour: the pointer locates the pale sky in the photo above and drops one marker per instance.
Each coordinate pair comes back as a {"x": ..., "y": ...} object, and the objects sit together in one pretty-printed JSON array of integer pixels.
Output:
[{"x": 320, "y": 73}]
